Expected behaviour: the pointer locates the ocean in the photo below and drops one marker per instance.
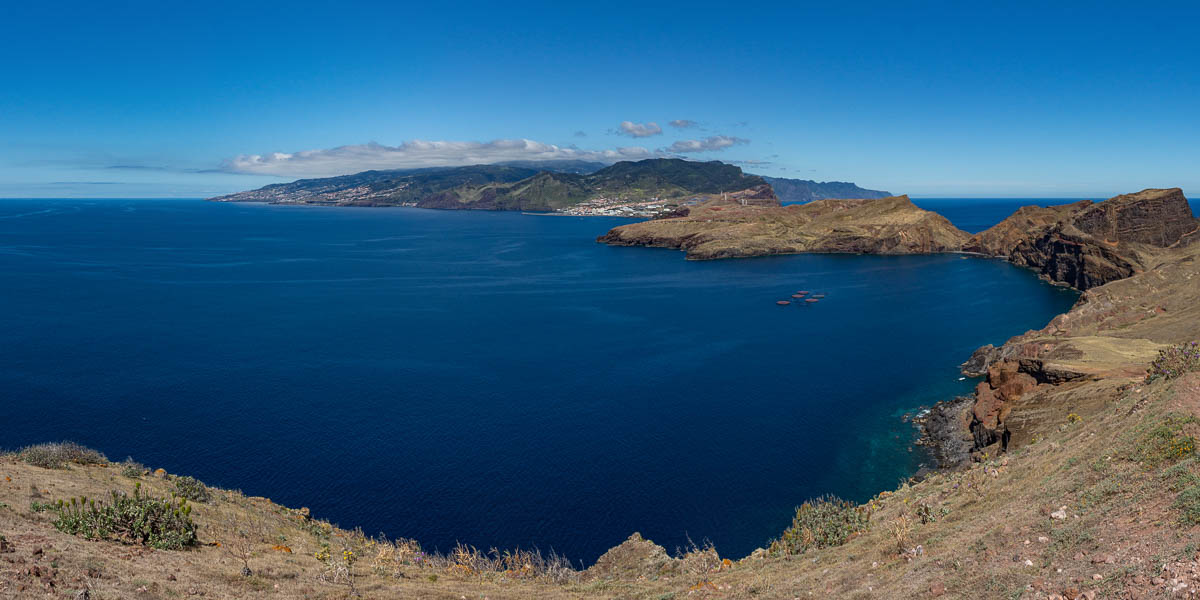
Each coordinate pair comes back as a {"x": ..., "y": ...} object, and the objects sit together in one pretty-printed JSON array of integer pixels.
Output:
[{"x": 494, "y": 379}]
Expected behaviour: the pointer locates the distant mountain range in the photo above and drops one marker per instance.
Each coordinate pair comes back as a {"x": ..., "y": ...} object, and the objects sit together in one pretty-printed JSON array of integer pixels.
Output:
[
  {"x": 538, "y": 186},
  {"x": 803, "y": 190},
  {"x": 514, "y": 186}
]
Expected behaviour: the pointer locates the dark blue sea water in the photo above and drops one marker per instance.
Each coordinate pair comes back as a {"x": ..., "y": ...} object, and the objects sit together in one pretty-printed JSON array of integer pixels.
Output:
[
  {"x": 973, "y": 215},
  {"x": 491, "y": 378}
]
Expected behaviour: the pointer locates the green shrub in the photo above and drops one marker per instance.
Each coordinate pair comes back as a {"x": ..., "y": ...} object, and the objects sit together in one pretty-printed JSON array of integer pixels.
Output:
[
  {"x": 1181, "y": 475},
  {"x": 1175, "y": 361},
  {"x": 192, "y": 489},
  {"x": 821, "y": 523},
  {"x": 57, "y": 455},
  {"x": 132, "y": 468},
  {"x": 1166, "y": 441},
  {"x": 37, "y": 507},
  {"x": 160, "y": 523},
  {"x": 1189, "y": 501}
]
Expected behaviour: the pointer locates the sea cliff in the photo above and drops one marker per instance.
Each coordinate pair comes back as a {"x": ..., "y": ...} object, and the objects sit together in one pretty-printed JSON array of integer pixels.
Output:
[{"x": 1133, "y": 258}]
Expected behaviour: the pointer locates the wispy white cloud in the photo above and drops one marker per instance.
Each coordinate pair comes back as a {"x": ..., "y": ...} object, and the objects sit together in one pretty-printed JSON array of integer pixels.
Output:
[
  {"x": 708, "y": 144},
  {"x": 683, "y": 124},
  {"x": 640, "y": 130},
  {"x": 413, "y": 154}
]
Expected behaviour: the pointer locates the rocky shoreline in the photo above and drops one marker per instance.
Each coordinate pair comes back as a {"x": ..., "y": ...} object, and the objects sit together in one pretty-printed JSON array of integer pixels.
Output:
[{"x": 1085, "y": 246}]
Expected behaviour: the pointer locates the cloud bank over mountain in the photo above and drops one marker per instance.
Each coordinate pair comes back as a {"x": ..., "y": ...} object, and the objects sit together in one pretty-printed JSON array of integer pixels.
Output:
[{"x": 414, "y": 154}]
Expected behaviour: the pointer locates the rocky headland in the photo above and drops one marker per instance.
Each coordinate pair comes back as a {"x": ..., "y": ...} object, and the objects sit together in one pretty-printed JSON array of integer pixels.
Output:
[
  {"x": 1133, "y": 258},
  {"x": 1086, "y": 244},
  {"x": 727, "y": 228}
]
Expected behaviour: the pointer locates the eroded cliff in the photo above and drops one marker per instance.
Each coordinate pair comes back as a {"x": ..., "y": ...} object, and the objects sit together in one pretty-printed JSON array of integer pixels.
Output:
[
  {"x": 1086, "y": 244},
  {"x": 1133, "y": 257}
]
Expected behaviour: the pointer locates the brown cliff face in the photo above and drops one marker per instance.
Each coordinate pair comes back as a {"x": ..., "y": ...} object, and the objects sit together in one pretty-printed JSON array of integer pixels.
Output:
[
  {"x": 726, "y": 229},
  {"x": 1154, "y": 217},
  {"x": 1137, "y": 258},
  {"x": 1085, "y": 245},
  {"x": 1002, "y": 238},
  {"x": 1067, "y": 255},
  {"x": 761, "y": 195}
]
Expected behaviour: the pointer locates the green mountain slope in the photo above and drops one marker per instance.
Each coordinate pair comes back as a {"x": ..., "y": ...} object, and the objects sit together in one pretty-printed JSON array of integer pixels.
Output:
[
  {"x": 503, "y": 187},
  {"x": 805, "y": 190}
]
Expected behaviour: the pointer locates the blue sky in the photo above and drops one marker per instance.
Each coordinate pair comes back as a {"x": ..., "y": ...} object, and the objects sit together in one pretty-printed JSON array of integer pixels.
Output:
[{"x": 931, "y": 99}]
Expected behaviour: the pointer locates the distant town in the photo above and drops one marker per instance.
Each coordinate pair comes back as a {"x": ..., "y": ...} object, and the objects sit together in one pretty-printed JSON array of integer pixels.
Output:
[{"x": 624, "y": 207}]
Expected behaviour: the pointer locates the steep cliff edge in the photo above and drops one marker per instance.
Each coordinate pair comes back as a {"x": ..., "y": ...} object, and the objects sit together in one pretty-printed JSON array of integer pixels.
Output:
[
  {"x": 729, "y": 229},
  {"x": 1085, "y": 245},
  {"x": 1135, "y": 260}
]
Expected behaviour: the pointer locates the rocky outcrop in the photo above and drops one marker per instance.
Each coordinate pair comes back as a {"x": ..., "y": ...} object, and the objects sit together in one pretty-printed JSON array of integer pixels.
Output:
[
  {"x": 1153, "y": 216},
  {"x": 947, "y": 431},
  {"x": 759, "y": 195},
  {"x": 1085, "y": 245},
  {"x": 980, "y": 360},
  {"x": 728, "y": 228},
  {"x": 1066, "y": 255},
  {"x": 634, "y": 558},
  {"x": 1027, "y": 222},
  {"x": 994, "y": 398},
  {"x": 1133, "y": 254}
]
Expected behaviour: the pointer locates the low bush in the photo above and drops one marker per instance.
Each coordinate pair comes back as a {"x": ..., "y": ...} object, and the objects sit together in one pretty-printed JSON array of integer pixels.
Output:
[
  {"x": 1181, "y": 475},
  {"x": 37, "y": 507},
  {"x": 821, "y": 523},
  {"x": 192, "y": 489},
  {"x": 160, "y": 523},
  {"x": 132, "y": 468},
  {"x": 1189, "y": 502},
  {"x": 1167, "y": 441},
  {"x": 1175, "y": 361},
  {"x": 57, "y": 455},
  {"x": 391, "y": 557}
]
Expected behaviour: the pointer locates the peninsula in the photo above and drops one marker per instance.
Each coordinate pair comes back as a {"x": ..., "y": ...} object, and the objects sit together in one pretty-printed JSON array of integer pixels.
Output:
[{"x": 728, "y": 228}]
